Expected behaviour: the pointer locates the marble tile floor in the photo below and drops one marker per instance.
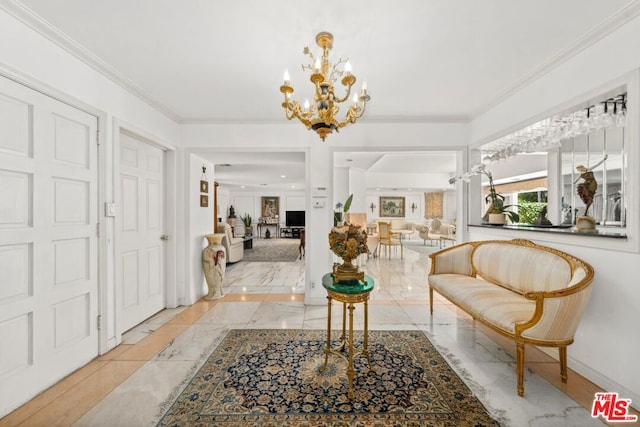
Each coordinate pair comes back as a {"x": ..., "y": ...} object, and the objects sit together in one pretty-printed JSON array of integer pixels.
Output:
[{"x": 133, "y": 384}]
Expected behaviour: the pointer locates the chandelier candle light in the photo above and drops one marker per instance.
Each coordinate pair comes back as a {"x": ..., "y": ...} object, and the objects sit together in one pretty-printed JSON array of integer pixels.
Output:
[{"x": 322, "y": 115}]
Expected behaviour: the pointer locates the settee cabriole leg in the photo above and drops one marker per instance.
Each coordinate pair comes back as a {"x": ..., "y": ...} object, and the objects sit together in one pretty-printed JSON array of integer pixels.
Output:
[
  {"x": 520, "y": 367},
  {"x": 563, "y": 363}
]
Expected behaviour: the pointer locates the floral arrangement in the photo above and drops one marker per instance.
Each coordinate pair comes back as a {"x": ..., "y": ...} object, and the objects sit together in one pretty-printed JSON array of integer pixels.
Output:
[{"x": 348, "y": 241}]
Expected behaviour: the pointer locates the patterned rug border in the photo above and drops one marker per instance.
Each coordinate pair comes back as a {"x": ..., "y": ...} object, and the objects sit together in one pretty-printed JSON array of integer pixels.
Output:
[
  {"x": 460, "y": 380},
  {"x": 500, "y": 415},
  {"x": 193, "y": 371}
]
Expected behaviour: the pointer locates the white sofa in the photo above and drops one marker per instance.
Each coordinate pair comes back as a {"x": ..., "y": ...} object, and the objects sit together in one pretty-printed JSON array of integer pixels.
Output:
[
  {"x": 530, "y": 293},
  {"x": 404, "y": 228},
  {"x": 438, "y": 231},
  {"x": 233, "y": 245}
]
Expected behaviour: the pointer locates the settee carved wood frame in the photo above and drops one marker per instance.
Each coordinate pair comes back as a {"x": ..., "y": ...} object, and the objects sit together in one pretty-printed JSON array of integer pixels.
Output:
[{"x": 540, "y": 298}]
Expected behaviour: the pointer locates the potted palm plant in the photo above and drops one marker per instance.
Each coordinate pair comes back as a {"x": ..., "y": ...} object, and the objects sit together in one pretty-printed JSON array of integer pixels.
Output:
[
  {"x": 246, "y": 220},
  {"x": 341, "y": 211}
]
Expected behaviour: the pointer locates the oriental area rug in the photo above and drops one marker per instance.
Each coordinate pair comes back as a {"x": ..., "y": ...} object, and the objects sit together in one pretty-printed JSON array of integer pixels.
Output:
[
  {"x": 272, "y": 250},
  {"x": 272, "y": 378}
]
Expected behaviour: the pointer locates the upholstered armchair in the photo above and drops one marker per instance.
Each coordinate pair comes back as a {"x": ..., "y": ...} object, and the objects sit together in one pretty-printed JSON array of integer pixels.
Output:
[
  {"x": 437, "y": 231},
  {"x": 233, "y": 245},
  {"x": 447, "y": 233},
  {"x": 424, "y": 233}
]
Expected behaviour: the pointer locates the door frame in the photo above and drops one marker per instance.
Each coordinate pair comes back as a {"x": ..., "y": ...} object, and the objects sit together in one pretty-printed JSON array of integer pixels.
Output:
[{"x": 170, "y": 226}]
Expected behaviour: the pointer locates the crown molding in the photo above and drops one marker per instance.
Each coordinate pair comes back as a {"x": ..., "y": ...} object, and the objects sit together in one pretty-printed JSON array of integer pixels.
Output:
[
  {"x": 45, "y": 29},
  {"x": 599, "y": 32},
  {"x": 38, "y": 24}
]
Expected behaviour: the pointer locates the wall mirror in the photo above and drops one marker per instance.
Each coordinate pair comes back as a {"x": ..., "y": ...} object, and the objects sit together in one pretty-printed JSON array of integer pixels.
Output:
[{"x": 569, "y": 164}]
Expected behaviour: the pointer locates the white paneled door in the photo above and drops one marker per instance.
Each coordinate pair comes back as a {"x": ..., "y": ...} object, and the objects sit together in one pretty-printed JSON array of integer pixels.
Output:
[
  {"x": 139, "y": 228},
  {"x": 48, "y": 242}
]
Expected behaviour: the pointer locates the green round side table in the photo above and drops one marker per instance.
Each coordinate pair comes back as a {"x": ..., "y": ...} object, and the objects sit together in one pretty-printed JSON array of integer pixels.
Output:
[{"x": 348, "y": 292}]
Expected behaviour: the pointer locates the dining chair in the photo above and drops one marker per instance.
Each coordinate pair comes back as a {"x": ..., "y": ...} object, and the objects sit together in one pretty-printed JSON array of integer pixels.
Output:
[{"x": 388, "y": 239}]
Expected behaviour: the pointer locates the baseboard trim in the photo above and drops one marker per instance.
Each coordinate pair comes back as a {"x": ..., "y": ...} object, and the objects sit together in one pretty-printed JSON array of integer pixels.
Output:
[{"x": 596, "y": 377}]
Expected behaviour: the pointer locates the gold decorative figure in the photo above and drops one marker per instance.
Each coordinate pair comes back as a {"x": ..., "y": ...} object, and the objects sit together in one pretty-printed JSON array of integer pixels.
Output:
[{"x": 587, "y": 189}]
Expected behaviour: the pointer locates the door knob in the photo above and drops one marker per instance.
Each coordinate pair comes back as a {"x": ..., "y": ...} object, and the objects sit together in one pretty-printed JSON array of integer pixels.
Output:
[{"x": 164, "y": 237}]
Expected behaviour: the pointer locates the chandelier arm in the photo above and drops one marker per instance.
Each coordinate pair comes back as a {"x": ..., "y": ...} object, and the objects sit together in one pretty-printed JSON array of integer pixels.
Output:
[
  {"x": 350, "y": 117},
  {"x": 299, "y": 114},
  {"x": 291, "y": 111},
  {"x": 354, "y": 113},
  {"x": 288, "y": 107},
  {"x": 346, "y": 96},
  {"x": 289, "y": 114},
  {"x": 362, "y": 109}
]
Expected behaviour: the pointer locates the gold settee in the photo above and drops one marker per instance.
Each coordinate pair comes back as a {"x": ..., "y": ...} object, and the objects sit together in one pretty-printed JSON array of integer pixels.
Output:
[{"x": 531, "y": 293}]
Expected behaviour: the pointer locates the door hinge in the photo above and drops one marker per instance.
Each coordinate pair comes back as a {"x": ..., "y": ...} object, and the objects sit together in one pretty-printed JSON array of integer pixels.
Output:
[
  {"x": 98, "y": 137},
  {"x": 99, "y": 322},
  {"x": 98, "y": 229}
]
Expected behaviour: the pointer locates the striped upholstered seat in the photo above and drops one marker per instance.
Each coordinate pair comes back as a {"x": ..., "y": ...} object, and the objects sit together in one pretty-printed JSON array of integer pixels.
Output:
[{"x": 534, "y": 294}]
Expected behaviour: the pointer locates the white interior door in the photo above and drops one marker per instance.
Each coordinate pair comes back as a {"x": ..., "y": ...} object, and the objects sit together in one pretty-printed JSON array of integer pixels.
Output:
[
  {"x": 139, "y": 224},
  {"x": 48, "y": 242}
]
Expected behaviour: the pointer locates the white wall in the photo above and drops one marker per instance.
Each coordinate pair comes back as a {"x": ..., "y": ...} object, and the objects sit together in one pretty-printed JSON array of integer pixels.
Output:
[
  {"x": 249, "y": 202},
  {"x": 449, "y": 206},
  {"x": 358, "y": 187},
  {"x": 415, "y": 216},
  {"x": 434, "y": 181},
  {"x": 291, "y": 135},
  {"x": 341, "y": 189},
  {"x": 605, "y": 350},
  {"x": 224, "y": 202},
  {"x": 30, "y": 58},
  {"x": 200, "y": 224},
  {"x": 26, "y": 53}
]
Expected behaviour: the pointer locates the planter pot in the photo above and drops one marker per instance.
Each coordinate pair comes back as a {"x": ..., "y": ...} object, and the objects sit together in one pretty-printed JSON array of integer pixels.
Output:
[
  {"x": 497, "y": 219},
  {"x": 214, "y": 264},
  {"x": 586, "y": 224},
  {"x": 248, "y": 230}
]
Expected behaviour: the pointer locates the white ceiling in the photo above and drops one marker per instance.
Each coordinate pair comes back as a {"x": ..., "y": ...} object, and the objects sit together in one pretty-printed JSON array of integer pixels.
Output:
[{"x": 222, "y": 61}]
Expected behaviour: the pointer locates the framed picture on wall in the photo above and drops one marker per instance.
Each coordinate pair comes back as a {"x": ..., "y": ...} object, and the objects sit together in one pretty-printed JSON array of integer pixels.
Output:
[
  {"x": 392, "y": 207},
  {"x": 270, "y": 207},
  {"x": 204, "y": 201}
]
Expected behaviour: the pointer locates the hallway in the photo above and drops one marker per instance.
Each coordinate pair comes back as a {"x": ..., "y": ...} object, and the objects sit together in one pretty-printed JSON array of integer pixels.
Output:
[{"x": 133, "y": 384}]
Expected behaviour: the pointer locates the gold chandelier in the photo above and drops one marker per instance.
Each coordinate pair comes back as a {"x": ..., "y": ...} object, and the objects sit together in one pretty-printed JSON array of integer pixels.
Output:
[{"x": 321, "y": 116}]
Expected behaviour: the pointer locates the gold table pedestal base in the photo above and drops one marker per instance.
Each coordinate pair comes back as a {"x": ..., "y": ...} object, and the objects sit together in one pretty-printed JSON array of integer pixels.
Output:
[{"x": 348, "y": 300}]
